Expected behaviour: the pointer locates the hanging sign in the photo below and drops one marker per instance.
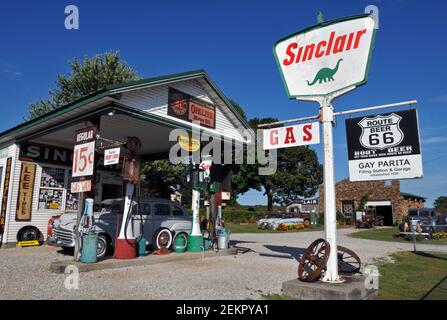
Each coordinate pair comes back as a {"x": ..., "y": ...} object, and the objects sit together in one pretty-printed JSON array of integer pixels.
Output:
[
  {"x": 327, "y": 57},
  {"x": 81, "y": 186},
  {"x": 206, "y": 165},
  {"x": 384, "y": 147},
  {"x": 292, "y": 136},
  {"x": 5, "y": 194},
  {"x": 112, "y": 156},
  {"x": 188, "y": 143},
  {"x": 26, "y": 188},
  {"x": 86, "y": 135},
  {"x": 83, "y": 159}
]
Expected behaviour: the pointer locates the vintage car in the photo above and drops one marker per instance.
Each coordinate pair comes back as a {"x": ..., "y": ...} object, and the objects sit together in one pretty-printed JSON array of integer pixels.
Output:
[
  {"x": 428, "y": 220},
  {"x": 272, "y": 221},
  {"x": 150, "y": 218}
]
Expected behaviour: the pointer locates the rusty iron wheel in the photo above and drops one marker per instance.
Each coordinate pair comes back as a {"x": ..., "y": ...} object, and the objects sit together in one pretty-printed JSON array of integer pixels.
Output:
[
  {"x": 348, "y": 260},
  {"x": 313, "y": 260}
]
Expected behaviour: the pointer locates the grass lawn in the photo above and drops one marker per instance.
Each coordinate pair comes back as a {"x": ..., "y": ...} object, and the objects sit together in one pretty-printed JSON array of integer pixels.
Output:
[
  {"x": 412, "y": 276},
  {"x": 387, "y": 234},
  {"x": 253, "y": 228}
]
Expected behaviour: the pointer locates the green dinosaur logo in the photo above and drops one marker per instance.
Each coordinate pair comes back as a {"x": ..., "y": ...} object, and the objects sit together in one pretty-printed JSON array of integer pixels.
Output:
[{"x": 325, "y": 75}]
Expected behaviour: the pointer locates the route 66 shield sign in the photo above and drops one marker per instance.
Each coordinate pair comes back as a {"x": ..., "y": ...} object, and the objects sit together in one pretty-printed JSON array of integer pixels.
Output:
[{"x": 381, "y": 132}]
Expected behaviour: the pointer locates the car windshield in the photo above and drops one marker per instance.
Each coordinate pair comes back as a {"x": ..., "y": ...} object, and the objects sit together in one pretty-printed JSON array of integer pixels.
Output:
[
  {"x": 424, "y": 213},
  {"x": 413, "y": 213}
]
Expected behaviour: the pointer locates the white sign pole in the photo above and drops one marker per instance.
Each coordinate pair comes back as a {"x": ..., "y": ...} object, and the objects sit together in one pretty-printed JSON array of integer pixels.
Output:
[{"x": 330, "y": 216}]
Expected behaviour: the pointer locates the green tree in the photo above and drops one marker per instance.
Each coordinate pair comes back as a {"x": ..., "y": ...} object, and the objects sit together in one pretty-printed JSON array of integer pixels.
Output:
[
  {"x": 441, "y": 204},
  {"x": 86, "y": 77},
  {"x": 298, "y": 174},
  {"x": 162, "y": 177},
  {"x": 238, "y": 108}
]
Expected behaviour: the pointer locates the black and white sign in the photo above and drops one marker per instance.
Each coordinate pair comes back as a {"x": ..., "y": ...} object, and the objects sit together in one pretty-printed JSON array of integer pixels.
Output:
[{"x": 384, "y": 147}]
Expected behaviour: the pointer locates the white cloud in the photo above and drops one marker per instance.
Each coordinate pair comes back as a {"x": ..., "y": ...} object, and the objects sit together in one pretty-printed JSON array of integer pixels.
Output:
[
  {"x": 432, "y": 140},
  {"x": 10, "y": 69},
  {"x": 439, "y": 99}
]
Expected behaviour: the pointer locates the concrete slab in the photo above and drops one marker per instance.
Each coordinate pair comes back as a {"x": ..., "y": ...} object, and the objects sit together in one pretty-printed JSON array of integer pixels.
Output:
[
  {"x": 59, "y": 266},
  {"x": 352, "y": 289}
]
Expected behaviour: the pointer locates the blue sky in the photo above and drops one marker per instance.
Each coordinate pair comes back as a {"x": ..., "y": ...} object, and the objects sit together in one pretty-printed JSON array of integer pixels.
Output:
[{"x": 233, "y": 41}]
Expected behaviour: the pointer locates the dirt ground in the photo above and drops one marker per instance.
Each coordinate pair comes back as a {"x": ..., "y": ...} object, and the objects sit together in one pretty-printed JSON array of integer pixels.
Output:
[{"x": 25, "y": 273}]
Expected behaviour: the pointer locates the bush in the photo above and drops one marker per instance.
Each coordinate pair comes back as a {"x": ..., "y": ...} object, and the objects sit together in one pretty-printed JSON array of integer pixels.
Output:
[
  {"x": 242, "y": 216},
  {"x": 439, "y": 235}
]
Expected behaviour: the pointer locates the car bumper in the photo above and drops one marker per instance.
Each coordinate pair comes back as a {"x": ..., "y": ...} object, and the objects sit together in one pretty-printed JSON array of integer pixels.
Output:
[{"x": 61, "y": 238}]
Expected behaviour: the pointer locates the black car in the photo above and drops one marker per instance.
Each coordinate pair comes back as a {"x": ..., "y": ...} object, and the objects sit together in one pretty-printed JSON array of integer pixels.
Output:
[{"x": 429, "y": 220}]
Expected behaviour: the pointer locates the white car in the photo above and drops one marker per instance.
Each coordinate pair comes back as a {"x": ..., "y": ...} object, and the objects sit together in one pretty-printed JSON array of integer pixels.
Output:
[
  {"x": 151, "y": 218},
  {"x": 272, "y": 221}
]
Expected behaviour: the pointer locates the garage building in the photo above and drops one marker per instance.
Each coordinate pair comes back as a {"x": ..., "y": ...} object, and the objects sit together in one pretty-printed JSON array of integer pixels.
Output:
[{"x": 385, "y": 196}]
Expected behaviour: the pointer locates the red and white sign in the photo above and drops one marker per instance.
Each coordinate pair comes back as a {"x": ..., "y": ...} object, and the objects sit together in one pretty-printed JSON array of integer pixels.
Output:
[
  {"x": 293, "y": 136},
  {"x": 83, "y": 159},
  {"x": 81, "y": 186},
  {"x": 111, "y": 156},
  {"x": 326, "y": 58}
]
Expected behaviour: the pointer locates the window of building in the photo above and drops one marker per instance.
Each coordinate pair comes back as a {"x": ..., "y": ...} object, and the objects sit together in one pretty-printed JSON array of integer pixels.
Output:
[
  {"x": 72, "y": 200},
  {"x": 52, "y": 189},
  {"x": 348, "y": 208}
]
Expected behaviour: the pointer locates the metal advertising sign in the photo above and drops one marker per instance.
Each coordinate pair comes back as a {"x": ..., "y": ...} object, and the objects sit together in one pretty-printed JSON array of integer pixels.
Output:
[
  {"x": 292, "y": 136},
  {"x": 26, "y": 188},
  {"x": 83, "y": 159},
  {"x": 384, "y": 147},
  {"x": 186, "y": 107},
  {"x": 81, "y": 186},
  {"x": 188, "y": 143},
  {"x": 326, "y": 58},
  {"x": 111, "y": 156},
  {"x": 5, "y": 194}
]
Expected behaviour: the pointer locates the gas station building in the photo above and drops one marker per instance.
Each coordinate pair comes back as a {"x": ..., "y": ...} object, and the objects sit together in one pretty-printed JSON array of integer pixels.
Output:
[{"x": 36, "y": 156}]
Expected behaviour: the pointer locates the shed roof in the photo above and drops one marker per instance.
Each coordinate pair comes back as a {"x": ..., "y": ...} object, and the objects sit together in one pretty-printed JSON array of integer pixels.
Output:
[
  {"x": 114, "y": 90},
  {"x": 407, "y": 195}
]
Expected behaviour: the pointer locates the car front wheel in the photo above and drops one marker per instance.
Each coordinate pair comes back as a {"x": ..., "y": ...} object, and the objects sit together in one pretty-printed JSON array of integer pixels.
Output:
[
  {"x": 162, "y": 239},
  {"x": 103, "y": 246}
]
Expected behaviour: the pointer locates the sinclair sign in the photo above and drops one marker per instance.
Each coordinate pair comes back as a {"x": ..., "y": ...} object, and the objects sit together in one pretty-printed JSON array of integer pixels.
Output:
[{"x": 326, "y": 58}]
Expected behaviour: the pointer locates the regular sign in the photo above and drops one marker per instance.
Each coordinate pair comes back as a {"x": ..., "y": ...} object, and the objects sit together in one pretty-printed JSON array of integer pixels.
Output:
[
  {"x": 384, "y": 147},
  {"x": 292, "y": 136},
  {"x": 327, "y": 57},
  {"x": 84, "y": 159}
]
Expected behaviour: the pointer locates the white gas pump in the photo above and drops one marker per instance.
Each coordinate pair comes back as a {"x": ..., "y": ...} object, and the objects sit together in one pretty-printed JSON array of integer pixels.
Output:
[{"x": 195, "y": 239}]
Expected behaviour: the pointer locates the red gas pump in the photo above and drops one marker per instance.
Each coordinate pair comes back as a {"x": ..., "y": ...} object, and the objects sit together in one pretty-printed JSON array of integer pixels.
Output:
[{"x": 126, "y": 245}]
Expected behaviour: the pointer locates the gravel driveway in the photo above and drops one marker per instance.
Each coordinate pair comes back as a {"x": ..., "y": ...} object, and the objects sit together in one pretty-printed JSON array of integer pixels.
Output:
[{"x": 24, "y": 272}]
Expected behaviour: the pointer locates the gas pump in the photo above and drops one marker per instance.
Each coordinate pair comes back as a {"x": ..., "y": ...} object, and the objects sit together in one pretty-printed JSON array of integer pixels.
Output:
[
  {"x": 126, "y": 244},
  {"x": 195, "y": 239}
]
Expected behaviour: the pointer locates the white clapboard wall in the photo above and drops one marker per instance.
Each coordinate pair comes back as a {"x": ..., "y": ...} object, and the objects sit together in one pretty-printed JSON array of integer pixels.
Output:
[{"x": 155, "y": 100}]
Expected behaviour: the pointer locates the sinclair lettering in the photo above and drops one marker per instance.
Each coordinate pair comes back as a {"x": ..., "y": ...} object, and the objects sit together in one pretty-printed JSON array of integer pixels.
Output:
[
  {"x": 327, "y": 57},
  {"x": 335, "y": 44}
]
